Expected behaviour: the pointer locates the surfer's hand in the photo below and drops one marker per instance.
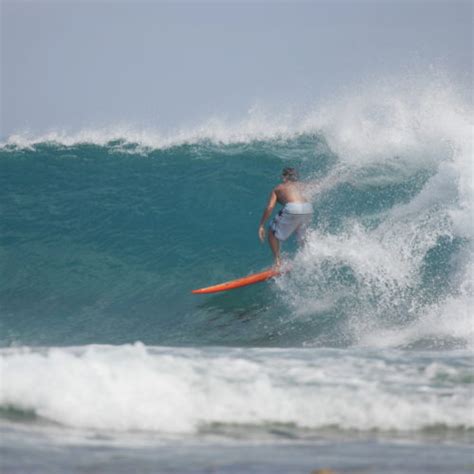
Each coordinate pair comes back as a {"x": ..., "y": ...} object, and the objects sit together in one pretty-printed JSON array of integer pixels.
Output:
[{"x": 261, "y": 233}]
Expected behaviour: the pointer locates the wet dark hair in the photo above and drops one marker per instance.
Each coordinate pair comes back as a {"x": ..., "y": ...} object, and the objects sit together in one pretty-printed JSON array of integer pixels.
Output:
[{"x": 290, "y": 173}]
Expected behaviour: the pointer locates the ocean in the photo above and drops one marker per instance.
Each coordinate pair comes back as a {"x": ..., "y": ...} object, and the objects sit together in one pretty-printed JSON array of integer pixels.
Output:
[{"x": 359, "y": 360}]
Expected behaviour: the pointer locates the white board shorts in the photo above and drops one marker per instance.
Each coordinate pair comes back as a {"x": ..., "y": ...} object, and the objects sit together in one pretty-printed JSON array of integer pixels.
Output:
[{"x": 293, "y": 217}]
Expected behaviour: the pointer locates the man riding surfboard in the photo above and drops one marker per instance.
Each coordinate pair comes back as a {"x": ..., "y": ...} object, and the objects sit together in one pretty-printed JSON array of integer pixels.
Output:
[{"x": 294, "y": 216}]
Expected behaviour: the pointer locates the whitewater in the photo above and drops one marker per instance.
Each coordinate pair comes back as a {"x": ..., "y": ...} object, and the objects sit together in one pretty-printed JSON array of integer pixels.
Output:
[{"x": 361, "y": 354}]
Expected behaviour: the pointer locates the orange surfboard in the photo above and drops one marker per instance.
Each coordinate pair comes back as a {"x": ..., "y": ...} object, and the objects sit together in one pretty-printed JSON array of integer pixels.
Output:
[{"x": 231, "y": 285}]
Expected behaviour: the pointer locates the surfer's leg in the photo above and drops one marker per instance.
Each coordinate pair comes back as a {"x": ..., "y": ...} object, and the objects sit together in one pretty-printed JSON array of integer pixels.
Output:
[
  {"x": 301, "y": 235},
  {"x": 302, "y": 230},
  {"x": 275, "y": 246}
]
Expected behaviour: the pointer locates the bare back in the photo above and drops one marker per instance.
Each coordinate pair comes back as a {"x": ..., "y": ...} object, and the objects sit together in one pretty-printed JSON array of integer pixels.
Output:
[{"x": 290, "y": 191}]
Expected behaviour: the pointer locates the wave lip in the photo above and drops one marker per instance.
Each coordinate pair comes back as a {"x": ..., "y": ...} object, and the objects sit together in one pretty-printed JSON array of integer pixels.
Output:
[
  {"x": 257, "y": 126},
  {"x": 184, "y": 391}
]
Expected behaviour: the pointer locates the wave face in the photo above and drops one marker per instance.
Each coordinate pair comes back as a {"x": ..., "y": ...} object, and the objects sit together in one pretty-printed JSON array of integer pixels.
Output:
[{"x": 104, "y": 233}]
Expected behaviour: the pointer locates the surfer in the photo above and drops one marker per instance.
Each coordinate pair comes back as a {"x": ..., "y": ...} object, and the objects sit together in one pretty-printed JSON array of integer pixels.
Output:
[{"x": 294, "y": 216}]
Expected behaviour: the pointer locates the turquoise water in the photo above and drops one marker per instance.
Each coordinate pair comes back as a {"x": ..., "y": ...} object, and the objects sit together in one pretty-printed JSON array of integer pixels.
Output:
[
  {"x": 96, "y": 237},
  {"x": 362, "y": 351},
  {"x": 102, "y": 244}
]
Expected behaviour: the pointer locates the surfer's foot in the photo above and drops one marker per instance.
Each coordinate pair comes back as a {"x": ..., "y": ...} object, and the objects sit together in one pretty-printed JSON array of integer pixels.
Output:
[{"x": 277, "y": 265}]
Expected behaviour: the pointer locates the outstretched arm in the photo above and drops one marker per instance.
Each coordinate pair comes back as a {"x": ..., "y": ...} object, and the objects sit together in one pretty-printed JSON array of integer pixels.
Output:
[{"x": 266, "y": 214}]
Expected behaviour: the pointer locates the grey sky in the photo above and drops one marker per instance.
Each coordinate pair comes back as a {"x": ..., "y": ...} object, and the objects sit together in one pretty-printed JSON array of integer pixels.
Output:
[{"x": 79, "y": 64}]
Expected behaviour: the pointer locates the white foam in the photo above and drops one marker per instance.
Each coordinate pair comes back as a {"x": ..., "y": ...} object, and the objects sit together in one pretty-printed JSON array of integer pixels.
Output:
[
  {"x": 440, "y": 322},
  {"x": 417, "y": 117},
  {"x": 385, "y": 265},
  {"x": 399, "y": 116},
  {"x": 257, "y": 125},
  {"x": 383, "y": 134},
  {"x": 169, "y": 390}
]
